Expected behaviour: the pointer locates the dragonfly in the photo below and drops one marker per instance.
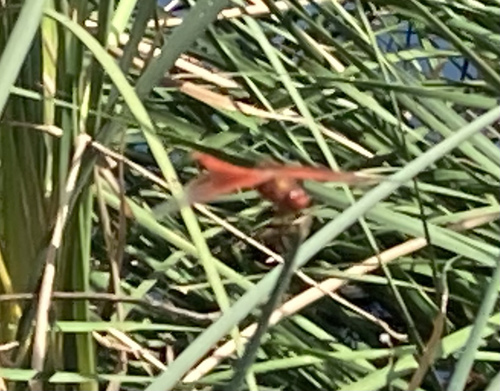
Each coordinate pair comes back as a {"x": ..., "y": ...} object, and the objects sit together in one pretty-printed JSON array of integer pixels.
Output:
[{"x": 278, "y": 183}]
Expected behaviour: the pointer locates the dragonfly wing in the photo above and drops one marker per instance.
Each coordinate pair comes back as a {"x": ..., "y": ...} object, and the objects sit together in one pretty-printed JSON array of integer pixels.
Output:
[
  {"x": 318, "y": 174},
  {"x": 213, "y": 164},
  {"x": 213, "y": 184}
]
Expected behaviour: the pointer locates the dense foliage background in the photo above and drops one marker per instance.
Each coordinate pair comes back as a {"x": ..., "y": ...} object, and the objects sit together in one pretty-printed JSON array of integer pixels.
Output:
[{"x": 105, "y": 286}]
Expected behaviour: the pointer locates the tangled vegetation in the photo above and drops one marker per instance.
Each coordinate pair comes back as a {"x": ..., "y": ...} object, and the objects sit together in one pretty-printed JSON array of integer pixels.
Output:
[{"x": 108, "y": 280}]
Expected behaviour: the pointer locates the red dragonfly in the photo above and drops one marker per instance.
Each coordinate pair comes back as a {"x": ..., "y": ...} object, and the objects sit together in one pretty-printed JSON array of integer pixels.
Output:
[{"x": 278, "y": 183}]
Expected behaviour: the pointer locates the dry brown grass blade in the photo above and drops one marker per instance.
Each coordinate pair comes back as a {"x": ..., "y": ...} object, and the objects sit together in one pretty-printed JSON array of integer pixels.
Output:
[{"x": 46, "y": 287}]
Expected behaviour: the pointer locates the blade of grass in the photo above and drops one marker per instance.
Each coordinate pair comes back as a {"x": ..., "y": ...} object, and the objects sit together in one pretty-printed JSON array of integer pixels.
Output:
[
  {"x": 20, "y": 41},
  {"x": 464, "y": 365}
]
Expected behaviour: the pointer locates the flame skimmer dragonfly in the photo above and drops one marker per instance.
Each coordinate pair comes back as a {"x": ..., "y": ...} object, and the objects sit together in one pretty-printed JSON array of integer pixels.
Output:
[{"x": 280, "y": 184}]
